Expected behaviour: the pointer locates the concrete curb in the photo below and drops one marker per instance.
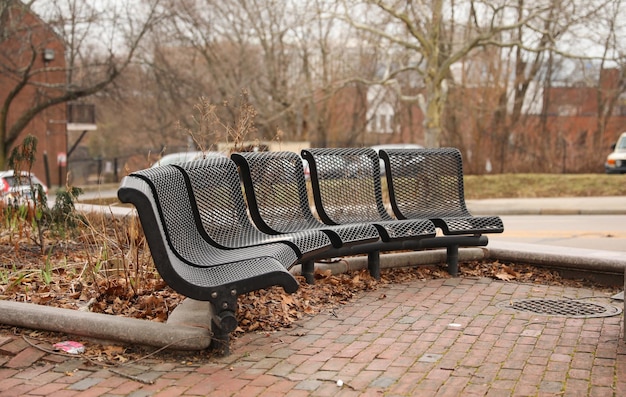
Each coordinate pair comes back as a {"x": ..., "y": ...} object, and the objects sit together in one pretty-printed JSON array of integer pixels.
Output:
[
  {"x": 549, "y": 211},
  {"x": 104, "y": 326},
  {"x": 188, "y": 327},
  {"x": 604, "y": 267}
]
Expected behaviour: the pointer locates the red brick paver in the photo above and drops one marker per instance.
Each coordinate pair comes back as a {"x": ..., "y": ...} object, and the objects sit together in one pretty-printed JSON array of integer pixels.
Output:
[{"x": 443, "y": 337}]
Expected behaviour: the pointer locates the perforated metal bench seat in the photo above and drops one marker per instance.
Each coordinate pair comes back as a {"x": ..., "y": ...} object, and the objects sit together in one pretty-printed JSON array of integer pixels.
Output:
[
  {"x": 186, "y": 260},
  {"x": 428, "y": 183},
  {"x": 347, "y": 189},
  {"x": 218, "y": 199},
  {"x": 346, "y": 186},
  {"x": 276, "y": 192}
]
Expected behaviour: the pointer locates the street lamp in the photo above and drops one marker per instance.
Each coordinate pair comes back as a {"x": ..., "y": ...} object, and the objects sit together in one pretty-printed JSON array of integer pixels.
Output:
[{"x": 48, "y": 55}]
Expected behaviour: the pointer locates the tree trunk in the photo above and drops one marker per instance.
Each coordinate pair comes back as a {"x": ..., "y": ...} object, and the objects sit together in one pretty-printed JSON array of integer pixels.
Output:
[{"x": 433, "y": 113}]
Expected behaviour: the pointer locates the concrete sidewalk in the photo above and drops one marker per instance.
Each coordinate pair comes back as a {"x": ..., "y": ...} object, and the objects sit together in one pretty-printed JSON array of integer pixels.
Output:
[{"x": 612, "y": 205}]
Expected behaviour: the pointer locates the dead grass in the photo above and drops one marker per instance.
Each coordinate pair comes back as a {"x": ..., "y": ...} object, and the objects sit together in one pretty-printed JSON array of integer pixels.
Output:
[{"x": 543, "y": 185}]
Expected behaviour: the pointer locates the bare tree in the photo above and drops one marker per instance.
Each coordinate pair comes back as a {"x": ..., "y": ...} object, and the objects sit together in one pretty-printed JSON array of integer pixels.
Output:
[
  {"x": 613, "y": 54},
  {"x": 153, "y": 98},
  {"x": 307, "y": 67},
  {"x": 99, "y": 41},
  {"x": 288, "y": 55},
  {"x": 579, "y": 36},
  {"x": 242, "y": 46},
  {"x": 427, "y": 38}
]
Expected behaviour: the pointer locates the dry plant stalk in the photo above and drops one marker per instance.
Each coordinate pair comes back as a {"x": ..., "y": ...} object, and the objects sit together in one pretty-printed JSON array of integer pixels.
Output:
[
  {"x": 119, "y": 252},
  {"x": 211, "y": 127}
]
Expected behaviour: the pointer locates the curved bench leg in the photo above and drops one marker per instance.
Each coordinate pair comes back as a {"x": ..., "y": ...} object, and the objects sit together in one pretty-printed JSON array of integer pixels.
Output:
[
  {"x": 308, "y": 271},
  {"x": 373, "y": 264},
  {"x": 452, "y": 259}
]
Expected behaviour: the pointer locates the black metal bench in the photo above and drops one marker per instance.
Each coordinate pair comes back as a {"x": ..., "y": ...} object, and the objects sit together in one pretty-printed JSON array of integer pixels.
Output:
[
  {"x": 278, "y": 202},
  {"x": 347, "y": 187},
  {"x": 428, "y": 183},
  {"x": 188, "y": 262},
  {"x": 222, "y": 212},
  {"x": 205, "y": 247}
]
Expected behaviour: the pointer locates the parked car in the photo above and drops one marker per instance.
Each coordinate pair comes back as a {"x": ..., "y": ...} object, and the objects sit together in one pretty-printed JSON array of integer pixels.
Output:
[
  {"x": 16, "y": 189},
  {"x": 182, "y": 157},
  {"x": 378, "y": 148},
  {"x": 616, "y": 161}
]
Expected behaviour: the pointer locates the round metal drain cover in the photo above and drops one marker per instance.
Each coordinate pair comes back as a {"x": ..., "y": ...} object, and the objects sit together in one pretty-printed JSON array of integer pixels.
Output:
[{"x": 562, "y": 307}]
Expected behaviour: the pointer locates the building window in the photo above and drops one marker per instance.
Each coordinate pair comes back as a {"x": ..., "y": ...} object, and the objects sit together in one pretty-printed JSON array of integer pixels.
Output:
[{"x": 568, "y": 110}]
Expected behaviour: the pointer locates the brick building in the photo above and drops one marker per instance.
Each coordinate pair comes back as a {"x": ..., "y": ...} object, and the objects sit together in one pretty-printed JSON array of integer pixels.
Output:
[{"x": 32, "y": 71}]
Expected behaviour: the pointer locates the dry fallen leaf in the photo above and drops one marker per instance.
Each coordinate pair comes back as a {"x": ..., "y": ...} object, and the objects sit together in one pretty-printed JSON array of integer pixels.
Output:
[{"x": 504, "y": 276}]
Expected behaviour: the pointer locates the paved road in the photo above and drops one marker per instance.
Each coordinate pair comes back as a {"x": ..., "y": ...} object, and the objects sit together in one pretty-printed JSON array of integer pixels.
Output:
[
  {"x": 600, "y": 232},
  {"x": 597, "y": 223}
]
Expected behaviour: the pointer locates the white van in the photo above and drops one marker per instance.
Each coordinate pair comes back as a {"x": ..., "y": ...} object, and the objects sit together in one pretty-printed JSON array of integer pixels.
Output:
[
  {"x": 378, "y": 148},
  {"x": 616, "y": 161},
  {"x": 182, "y": 157}
]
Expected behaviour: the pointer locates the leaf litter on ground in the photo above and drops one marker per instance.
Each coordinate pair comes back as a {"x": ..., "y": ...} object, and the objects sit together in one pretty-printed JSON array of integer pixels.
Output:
[{"x": 260, "y": 311}]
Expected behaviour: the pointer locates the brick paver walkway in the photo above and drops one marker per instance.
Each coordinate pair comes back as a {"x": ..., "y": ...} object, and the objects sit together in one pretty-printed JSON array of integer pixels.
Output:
[{"x": 423, "y": 338}]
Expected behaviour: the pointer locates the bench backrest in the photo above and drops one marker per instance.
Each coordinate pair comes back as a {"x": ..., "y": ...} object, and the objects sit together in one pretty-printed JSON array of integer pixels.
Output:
[
  {"x": 346, "y": 185},
  {"x": 217, "y": 190},
  {"x": 425, "y": 182},
  {"x": 182, "y": 226},
  {"x": 276, "y": 191},
  {"x": 176, "y": 214}
]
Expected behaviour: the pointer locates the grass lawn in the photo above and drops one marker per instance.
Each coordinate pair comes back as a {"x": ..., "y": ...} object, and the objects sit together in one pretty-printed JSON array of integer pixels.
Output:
[
  {"x": 516, "y": 185},
  {"x": 543, "y": 185}
]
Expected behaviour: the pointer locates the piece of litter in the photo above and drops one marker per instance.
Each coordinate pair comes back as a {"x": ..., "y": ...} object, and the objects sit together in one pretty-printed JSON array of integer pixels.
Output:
[
  {"x": 69, "y": 347},
  {"x": 455, "y": 325},
  {"x": 339, "y": 382}
]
